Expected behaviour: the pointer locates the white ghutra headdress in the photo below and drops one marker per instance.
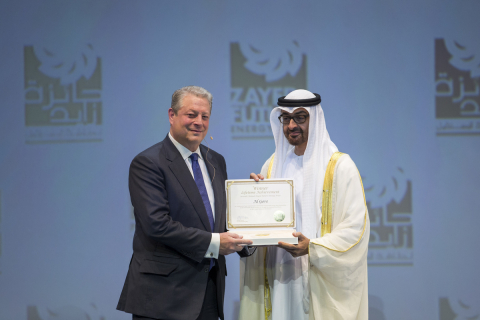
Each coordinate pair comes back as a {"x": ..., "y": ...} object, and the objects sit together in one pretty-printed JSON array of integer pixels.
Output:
[{"x": 315, "y": 160}]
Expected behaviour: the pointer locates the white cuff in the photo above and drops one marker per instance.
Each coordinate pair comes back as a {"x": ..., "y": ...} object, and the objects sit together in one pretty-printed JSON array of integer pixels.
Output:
[{"x": 214, "y": 247}]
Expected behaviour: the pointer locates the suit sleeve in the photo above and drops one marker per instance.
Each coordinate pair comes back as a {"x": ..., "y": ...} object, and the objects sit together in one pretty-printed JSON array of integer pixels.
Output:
[{"x": 150, "y": 202}]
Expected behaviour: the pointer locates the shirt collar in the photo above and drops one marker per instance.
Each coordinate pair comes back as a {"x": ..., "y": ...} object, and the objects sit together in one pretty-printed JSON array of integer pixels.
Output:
[{"x": 184, "y": 152}]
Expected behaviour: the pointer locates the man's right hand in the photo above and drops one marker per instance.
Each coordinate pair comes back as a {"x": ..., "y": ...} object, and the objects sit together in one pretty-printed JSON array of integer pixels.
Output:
[
  {"x": 256, "y": 177},
  {"x": 231, "y": 242}
]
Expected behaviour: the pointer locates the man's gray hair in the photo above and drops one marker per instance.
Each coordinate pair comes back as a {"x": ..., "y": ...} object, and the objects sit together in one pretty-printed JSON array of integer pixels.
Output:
[{"x": 179, "y": 94}]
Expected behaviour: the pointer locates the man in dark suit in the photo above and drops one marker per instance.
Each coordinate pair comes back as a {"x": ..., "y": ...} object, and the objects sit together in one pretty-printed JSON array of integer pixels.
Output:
[{"x": 178, "y": 269}]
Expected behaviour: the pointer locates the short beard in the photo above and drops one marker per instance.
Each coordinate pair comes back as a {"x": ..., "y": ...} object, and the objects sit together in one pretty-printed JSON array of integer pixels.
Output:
[{"x": 297, "y": 141}]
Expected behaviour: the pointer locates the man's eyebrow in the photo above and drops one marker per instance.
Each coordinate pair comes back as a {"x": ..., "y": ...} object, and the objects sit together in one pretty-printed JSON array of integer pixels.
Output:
[{"x": 286, "y": 113}]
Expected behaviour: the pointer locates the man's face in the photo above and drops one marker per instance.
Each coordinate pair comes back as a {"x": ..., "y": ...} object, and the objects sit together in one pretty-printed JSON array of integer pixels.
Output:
[
  {"x": 190, "y": 125},
  {"x": 296, "y": 134}
]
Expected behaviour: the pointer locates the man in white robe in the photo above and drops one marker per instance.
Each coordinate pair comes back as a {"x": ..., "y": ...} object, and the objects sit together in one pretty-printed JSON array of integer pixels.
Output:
[{"x": 325, "y": 275}]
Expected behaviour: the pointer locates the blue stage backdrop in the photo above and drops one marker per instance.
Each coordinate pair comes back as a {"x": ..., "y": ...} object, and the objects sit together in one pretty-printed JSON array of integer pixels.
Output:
[{"x": 86, "y": 85}]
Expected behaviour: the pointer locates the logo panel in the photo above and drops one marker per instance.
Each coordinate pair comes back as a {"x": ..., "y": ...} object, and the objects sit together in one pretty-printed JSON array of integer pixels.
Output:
[
  {"x": 457, "y": 87},
  {"x": 376, "y": 309},
  {"x": 390, "y": 211},
  {"x": 62, "y": 95},
  {"x": 260, "y": 74},
  {"x": 451, "y": 309},
  {"x": 64, "y": 312}
]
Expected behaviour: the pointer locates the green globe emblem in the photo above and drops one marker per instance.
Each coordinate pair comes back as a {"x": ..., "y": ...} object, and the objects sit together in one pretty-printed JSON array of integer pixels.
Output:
[{"x": 279, "y": 216}]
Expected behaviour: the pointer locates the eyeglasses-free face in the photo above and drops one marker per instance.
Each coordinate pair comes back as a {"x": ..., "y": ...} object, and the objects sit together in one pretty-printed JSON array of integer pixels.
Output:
[{"x": 189, "y": 125}]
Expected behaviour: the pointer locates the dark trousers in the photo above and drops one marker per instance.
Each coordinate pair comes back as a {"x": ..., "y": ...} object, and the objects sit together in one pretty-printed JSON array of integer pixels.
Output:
[{"x": 209, "y": 308}]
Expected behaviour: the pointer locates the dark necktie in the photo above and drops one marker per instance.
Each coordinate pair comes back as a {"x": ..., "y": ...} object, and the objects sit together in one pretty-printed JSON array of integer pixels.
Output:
[{"x": 197, "y": 174}]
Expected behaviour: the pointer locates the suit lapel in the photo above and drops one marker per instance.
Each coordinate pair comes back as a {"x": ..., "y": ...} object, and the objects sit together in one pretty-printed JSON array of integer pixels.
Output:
[
  {"x": 182, "y": 173},
  {"x": 217, "y": 185}
]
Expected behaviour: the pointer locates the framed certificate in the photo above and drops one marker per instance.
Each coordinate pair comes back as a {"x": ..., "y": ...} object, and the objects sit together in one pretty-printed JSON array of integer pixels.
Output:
[{"x": 262, "y": 211}]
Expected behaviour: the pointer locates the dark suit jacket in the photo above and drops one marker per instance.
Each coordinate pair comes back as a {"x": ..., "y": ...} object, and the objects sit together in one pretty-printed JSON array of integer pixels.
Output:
[{"x": 168, "y": 274}]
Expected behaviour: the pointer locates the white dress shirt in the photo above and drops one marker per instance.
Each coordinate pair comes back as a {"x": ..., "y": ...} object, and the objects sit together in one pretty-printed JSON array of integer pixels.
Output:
[{"x": 214, "y": 247}]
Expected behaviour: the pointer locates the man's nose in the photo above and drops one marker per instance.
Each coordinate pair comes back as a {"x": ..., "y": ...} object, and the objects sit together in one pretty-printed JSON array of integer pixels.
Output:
[
  {"x": 198, "y": 120},
  {"x": 292, "y": 124}
]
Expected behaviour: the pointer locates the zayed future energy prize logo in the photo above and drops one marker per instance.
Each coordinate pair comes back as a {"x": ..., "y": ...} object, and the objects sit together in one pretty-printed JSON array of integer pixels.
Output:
[
  {"x": 64, "y": 313},
  {"x": 455, "y": 309},
  {"x": 62, "y": 94},
  {"x": 457, "y": 87},
  {"x": 260, "y": 74},
  {"x": 389, "y": 202}
]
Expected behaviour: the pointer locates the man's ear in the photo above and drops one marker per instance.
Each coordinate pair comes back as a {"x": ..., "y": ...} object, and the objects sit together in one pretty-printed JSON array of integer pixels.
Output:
[{"x": 171, "y": 114}]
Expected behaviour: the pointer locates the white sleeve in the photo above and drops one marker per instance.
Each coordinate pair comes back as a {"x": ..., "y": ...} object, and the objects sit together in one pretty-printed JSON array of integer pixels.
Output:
[{"x": 214, "y": 247}]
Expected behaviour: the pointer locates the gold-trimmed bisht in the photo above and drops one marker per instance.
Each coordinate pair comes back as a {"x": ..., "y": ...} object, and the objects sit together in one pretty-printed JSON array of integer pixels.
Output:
[
  {"x": 327, "y": 203},
  {"x": 326, "y": 220}
]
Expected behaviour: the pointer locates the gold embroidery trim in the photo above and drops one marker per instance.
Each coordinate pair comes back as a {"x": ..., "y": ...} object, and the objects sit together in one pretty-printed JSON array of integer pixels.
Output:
[
  {"x": 270, "y": 167},
  {"x": 266, "y": 290},
  {"x": 364, "y": 223},
  {"x": 327, "y": 194}
]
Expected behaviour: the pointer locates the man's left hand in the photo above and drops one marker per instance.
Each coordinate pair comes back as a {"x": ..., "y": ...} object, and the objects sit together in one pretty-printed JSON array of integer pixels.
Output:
[{"x": 296, "y": 250}]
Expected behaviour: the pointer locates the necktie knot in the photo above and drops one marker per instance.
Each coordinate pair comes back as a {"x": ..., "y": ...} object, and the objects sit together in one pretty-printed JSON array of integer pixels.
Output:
[{"x": 194, "y": 156}]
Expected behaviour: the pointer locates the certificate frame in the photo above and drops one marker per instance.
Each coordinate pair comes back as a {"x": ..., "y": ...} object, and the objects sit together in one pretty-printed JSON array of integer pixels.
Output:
[{"x": 246, "y": 182}]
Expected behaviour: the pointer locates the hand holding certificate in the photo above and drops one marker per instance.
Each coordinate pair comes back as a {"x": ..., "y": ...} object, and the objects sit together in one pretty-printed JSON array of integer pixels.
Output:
[{"x": 262, "y": 211}]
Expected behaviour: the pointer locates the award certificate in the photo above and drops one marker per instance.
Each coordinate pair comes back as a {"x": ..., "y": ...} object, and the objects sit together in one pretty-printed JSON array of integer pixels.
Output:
[{"x": 263, "y": 204}]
